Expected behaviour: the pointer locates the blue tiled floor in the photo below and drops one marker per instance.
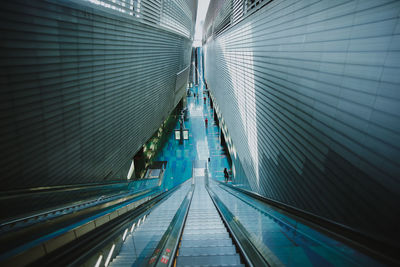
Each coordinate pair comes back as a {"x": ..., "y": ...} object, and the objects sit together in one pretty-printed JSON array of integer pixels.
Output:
[{"x": 203, "y": 143}]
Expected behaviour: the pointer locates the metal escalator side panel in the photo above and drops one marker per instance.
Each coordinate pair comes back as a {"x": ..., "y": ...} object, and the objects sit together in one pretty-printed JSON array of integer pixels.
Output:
[
  {"x": 165, "y": 252},
  {"x": 253, "y": 252},
  {"x": 140, "y": 245}
]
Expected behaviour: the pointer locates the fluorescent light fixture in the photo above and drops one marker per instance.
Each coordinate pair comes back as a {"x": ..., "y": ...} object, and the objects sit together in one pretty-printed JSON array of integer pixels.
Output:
[
  {"x": 133, "y": 227},
  {"x": 125, "y": 233},
  {"x": 139, "y": 222},
  {"x": 99, "y": 261},
  {"x": 109, "y": 255}
]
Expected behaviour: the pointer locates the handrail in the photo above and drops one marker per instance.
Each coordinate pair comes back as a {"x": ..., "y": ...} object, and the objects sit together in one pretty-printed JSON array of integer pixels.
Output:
[
  {"x": 165, "y": 252},
  {"x": 39, "y": 236},
  {"x": 251, "y": 255},
  {"x": 57, "y": 188},
  {"x": 95, "y": 201},
  {"x": 364, "y": 242},
  {"x": 37, "y": 206},
  {"x": 82, "y": 246}
]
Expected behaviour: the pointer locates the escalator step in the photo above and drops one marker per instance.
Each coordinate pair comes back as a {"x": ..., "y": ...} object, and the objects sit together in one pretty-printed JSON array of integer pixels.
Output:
[
  {"x": 208, "y": 220},
  {"x": 205, "y": 226},
  {"x": 207, "y": 243},
  {"x": 206, "y": 251},
  {"x": 201, "y": 236},
  {"x": 209, "y": 260},
  {"x": 204, "y": 231}
]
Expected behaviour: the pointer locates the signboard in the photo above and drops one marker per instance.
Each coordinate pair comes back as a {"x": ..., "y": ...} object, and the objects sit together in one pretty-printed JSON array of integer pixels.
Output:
[
  {"x": 186, "y": 134},
  {"x": 165, "y": 257},
  {"x": 177, "y": 135}
]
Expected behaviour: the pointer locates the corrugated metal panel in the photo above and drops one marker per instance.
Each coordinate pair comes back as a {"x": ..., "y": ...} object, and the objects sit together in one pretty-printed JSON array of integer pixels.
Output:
[
  {"x": 82, "y": 88},
  {"x": 223, "y": 19},
  {"x": 237, "y": 11},
  {"x": 310, "y": 95},
  {"x": 212, "y": 12},
  {"x": 223, "y": 14},
  {"x": 176, "y": 15},
  {"x": 151, "y": 10}
]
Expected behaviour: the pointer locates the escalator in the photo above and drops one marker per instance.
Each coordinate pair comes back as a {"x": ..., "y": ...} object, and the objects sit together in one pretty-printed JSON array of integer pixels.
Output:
[
  {"x": 202, "y": 223},
  {"x": 138, "y": 246},
  {"x": 198, "y": 233},
  {"x": 218, "y": 226},
  {"x": 135, "y": 232},
  {"x": 205, "y": 239}
]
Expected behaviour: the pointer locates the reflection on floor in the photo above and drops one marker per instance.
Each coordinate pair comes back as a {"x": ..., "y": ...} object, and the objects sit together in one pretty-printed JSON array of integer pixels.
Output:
[{"x": 203, "y": 143}]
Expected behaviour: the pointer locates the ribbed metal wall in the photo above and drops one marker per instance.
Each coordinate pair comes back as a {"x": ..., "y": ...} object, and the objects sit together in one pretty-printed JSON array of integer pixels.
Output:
[
  {"x": 83, "y": 86},
  {"x": 310, "y": 94}
]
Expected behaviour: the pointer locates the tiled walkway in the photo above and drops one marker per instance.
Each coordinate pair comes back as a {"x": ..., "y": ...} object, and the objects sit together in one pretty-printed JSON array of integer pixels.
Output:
[{"x": 203, "y": 143}]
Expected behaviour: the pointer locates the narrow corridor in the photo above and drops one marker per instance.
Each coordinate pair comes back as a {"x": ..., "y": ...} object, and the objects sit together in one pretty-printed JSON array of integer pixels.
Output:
[{"x": 204, "y": 142}]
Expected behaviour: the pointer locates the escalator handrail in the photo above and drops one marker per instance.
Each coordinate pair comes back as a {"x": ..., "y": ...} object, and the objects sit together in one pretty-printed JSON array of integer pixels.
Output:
[
  {"x": 374, "y": 246},
  {"x": 39, "y": 242},
  {"x": 75, "y": 252},
  {"x": 57, "y": 188},
  {"x": 165, "y": 252},
  {"x": 251, "y": 255},
  {"x": 15, "y": 254},
  {"x": 98, "y": 200}
]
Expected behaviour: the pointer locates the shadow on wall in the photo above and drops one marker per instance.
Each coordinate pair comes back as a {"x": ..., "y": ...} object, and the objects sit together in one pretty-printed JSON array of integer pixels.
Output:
[{"x": 347, "y": 201}]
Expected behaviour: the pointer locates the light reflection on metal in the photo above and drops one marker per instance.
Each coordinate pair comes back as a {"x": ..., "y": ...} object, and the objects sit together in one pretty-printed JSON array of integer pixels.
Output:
[
  {"x": 99, "y": 261},
  {"x": 125, "y": 233},
  {"x": 109, "y": 255},
  {"x": 133, "y": 227}
]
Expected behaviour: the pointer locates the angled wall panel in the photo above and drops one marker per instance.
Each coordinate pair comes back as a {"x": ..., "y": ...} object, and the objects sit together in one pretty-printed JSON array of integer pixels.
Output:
[
  {"x": 83, "y": 86},
  {"x": 309, "y": 91}
]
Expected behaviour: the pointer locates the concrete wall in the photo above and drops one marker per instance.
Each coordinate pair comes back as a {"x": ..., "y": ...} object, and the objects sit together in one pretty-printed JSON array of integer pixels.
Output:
[
  {"x": 310, "y": 94},
  {"x": 82, "y": 88}
]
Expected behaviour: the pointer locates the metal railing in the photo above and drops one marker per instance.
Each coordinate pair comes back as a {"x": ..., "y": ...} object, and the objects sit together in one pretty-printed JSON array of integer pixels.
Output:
[
  {"x": 364, "y": 242},
  {"x": 39, "y": 197},
  {"x": 76, "y": 243},
  {"x": 165, "y": 252},
  {"x": 241, "y": 237}
]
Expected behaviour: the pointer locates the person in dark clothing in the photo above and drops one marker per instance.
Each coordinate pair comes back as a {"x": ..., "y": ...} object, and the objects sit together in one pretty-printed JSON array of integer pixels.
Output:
[
  {"x": 206, "y": 122},
  {"x": 226, "y": 175}
]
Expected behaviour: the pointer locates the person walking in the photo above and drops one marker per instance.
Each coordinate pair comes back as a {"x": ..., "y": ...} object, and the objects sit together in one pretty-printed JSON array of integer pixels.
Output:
[
  {"x": 226, "y": 175},
  {"x": 206, "y": 122}
]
